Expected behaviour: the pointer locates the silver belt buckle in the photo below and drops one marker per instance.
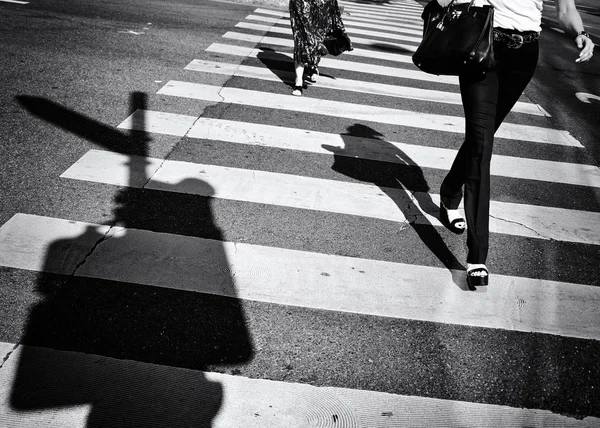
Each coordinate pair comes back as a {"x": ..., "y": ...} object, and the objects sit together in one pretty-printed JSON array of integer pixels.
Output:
[{"x": 516, "y": 41}]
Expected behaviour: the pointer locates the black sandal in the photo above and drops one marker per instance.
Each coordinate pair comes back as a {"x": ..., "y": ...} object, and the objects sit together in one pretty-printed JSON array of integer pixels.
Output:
[
  {"x": 477, "y": 280},
  {"x": 313, "y": 74},
  {"x": 451, "y": 225},
  {"x": 297, "y": 90}
]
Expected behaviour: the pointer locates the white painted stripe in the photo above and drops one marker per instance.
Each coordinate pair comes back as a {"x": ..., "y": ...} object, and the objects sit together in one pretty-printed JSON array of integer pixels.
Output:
[
  {"x": 384, "y": 16},
  {"x": 272, "y": 12},
  {"x": 358, "y": 40},
  {"x": 361, "y": 67},
  {"x": 405, "y": 12},
  {"x": 328, "y": 195},
  {"x": 411, "y": 14},
  {"x": 345, "y": 84},
  {"x": 407, "y": 7},
  {"x": 14, "y": 1},
  {"x": 402, "y": 22},
  {"x": 386, "y": 151},
  {"x": 165, "y": 123},
  {"x": 390, "y": 116},
  {"x": 242, "y": 402},
  {"x": 337, "y": 63},
  {"x": 348, "y": 24},
  {"x": 299, "y": 278},
  {"x": 410, "y": 8}
]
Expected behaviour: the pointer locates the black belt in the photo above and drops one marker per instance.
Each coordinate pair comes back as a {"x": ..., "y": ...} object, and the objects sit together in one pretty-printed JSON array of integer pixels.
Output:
[{"x": 514, "y": 39}]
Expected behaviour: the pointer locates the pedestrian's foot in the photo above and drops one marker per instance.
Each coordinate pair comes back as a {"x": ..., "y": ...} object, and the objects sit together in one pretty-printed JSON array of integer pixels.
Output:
[
  {"x": 477, "y": 275},
  {"x": 297, "y": 90},
  {"x": 452, "y": 219},
  {"x": 313, "y": 74}
]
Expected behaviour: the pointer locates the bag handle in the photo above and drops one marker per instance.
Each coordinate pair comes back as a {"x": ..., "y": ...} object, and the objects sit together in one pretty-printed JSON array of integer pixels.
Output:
[{"x": 454, "y": 1}]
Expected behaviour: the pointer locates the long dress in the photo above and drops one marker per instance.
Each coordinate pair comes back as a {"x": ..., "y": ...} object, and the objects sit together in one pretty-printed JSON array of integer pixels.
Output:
[{"x": 312, "y": 22}]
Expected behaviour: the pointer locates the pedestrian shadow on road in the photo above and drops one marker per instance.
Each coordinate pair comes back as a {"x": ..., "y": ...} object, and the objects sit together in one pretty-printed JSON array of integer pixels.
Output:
[
  {"x": 283, "y": 66},
  {"x": 402, "y": 180},
  {"x": 152, "y": 331}
]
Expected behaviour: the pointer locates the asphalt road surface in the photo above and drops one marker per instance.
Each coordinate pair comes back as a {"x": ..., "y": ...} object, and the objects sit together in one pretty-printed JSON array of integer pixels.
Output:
[{"x": 184, "y": 243}]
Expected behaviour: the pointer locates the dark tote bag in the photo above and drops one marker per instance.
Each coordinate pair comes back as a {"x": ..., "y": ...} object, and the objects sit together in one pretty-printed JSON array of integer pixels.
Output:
[
  {"x": 456, "y": 39},
  {"x": 337, "y": 41}
]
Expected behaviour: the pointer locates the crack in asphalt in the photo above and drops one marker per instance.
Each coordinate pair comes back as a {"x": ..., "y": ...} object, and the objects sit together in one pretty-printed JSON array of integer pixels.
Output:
[
  {"x": 525, "y": 226},
  {"x": 8, "y": 354},
  {"x": 105, "y": 237}
]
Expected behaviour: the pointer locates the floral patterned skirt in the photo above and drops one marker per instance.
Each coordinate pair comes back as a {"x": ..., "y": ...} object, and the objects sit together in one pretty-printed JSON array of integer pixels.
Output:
[{"x": 312, "y": 21}]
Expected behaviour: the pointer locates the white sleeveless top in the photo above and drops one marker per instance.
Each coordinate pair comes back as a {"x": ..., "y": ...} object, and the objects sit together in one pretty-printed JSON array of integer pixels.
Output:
[{"x": 520, "y": 15}]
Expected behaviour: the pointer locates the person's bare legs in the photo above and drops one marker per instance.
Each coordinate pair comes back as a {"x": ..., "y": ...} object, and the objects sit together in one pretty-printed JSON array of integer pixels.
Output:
[{"x": 299, "y": 81}]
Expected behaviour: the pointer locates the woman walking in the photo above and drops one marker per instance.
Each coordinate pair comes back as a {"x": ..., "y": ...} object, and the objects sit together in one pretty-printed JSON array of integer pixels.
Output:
[
  {"x": 315, "y": 24},
  {"x": 487, "y": 99}
]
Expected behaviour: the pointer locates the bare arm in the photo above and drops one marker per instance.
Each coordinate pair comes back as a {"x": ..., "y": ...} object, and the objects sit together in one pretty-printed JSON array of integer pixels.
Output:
[{"x": 570, "y": 21}]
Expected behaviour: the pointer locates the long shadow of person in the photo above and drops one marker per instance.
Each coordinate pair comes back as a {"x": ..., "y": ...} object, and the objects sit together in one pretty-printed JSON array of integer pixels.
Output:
[
  {"x": 412, "y": 198},
  {"x": 152, "y": 334}
]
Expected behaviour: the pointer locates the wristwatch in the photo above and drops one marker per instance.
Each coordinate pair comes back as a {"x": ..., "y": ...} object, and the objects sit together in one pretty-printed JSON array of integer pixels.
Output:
[{"x": 584, "y": 33}]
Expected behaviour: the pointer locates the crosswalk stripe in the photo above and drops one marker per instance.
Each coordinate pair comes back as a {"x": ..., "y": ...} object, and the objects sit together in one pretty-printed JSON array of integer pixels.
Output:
[
  {"x": 297, "y": 278},
  {"x": 349, "y": 24},
  {"x": 365, "y": 148},
  {"x": 406, "y": 7},
  {"x": 405, "y": 13},
  {"x": 357, "y": 40},
  {"x": 263, "y": 73},
  {"x": 401, "y": 22},
  {"x": 333, "y": 62},
  {"x": 351, "y": 29},
  {"x": 416, "y": 15},
  {"x": 328, "y": 195},
  {"x": 390, "y": 116},
  {"x": 398, "y": 4},
  {"x": 410, "y": 5},
  {"x": 243, "y": 402}
]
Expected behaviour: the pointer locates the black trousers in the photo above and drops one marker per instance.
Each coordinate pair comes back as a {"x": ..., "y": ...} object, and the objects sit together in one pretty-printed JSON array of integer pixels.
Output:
[{"x": 487, "y": 99}]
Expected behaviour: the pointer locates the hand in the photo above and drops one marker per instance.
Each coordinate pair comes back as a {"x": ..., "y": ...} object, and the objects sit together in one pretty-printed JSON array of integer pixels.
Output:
[
  {"x": 444, "y": 3},
  {"x": 587, "y": 48}
]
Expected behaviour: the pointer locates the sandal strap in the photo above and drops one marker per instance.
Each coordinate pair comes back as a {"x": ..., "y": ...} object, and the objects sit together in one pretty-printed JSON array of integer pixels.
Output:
[{"x": 479, "y": 269}]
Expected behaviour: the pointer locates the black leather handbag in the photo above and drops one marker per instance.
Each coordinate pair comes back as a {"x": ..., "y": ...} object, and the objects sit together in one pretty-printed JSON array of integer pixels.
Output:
[
  {"x": 337, "y": 41},
  {"x": 457, "y": 38}
]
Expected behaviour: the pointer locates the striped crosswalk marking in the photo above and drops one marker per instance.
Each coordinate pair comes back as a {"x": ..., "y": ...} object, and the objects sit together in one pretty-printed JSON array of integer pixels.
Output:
[
  {"x": 301, "y": 278},
  {"x": 401, "y": 22},
  {"x": 359, "y": 112},
  {"x": 329, "y": 195},
  {"x": 332, "y": 62},
  {"x": 383, "y": 14},
  {"x": 364, "y": 148},
  {"x": 348, "y": 23},
  {"x": 352, "y": 31},
  {"x": 327, "y": 281},
  {"x": 246, "y": 402},
  {"x": 355, "y": 40},
  {"x": 231, "y": 69}
]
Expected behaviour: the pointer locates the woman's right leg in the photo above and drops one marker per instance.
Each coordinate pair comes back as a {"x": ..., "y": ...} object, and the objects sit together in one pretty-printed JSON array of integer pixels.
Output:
[{"x": 471, "y": 167}]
